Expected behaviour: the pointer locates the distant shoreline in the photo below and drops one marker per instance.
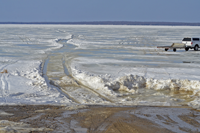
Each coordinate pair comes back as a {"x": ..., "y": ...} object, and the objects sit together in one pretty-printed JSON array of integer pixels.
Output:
[{"x": 110, "y": 23}]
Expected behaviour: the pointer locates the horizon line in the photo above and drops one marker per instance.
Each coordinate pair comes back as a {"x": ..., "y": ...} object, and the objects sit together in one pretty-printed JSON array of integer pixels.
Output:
[{"x": 110, "y": 23}]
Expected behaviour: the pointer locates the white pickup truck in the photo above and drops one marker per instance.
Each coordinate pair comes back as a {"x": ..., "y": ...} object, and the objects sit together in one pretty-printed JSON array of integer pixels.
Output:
[
  {"x": 191, "y": 43},
  {"x": 187, "y": 43}
]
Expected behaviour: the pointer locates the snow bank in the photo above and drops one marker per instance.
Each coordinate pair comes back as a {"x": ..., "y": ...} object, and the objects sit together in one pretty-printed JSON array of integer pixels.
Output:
[
  {"x": 24, "y": 84},
  {"x": 94, "y": 82},
  {"x": 132, "y": 83},
  {"x": 172, "y": 84},
  {"x": 128, "y": 83}
]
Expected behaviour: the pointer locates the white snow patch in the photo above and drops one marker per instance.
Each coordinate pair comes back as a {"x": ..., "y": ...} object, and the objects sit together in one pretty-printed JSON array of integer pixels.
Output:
[{"x": 24, "y": 84}]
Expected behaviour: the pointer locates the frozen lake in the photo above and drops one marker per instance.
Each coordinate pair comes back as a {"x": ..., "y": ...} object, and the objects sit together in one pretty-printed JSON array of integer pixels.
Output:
[{"x": 83, "y": 64}]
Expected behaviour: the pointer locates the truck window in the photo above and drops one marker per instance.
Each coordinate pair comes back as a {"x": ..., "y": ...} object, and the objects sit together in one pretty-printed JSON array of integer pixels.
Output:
[
  {"x": 186, "y": 39},
  {"x": 195, "y": 39}
]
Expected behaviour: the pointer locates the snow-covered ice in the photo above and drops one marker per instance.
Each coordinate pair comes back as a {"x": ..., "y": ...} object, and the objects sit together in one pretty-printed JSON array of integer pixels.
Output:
[
  {"x": 115, "y": 64},
  {"x": 21, "y": 77}
]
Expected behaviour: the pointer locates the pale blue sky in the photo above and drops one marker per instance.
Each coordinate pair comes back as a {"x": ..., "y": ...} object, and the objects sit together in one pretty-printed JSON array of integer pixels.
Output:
[{"x": 99, "y": 10}]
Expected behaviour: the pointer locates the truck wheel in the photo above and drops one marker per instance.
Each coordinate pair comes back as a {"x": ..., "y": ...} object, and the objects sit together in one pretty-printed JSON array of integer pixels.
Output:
[
  {"x": 186, "y": 49},
  {"x": 166, "y": 49},
  {"x": 174, "y": 50},
  {"x": 196, "y": 48}
]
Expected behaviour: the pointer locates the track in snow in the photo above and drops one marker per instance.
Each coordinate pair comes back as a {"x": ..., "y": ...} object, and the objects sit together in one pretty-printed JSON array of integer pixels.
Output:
[
  {"x": 56, "y": 70},
  {"x": 4, "y": 86}
]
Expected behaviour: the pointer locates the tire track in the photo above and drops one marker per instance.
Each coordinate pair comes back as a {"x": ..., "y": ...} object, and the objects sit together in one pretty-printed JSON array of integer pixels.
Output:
[
  {"x": 76, "y": 92},
  {"x": 7, "y": 84},
  {"x": 1, "y": 89},
  {"x": 4, "y": 66},
  {"x": 4, "y": 87},
  {"x": 44, "y": 74},
  {"x": 68, "y": 73}
]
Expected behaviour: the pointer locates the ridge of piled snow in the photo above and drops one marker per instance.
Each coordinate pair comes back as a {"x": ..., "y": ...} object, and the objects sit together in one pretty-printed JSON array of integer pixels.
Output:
[
  {"x": 131, "y": 83},
  {"x": 91, "y": 81}
]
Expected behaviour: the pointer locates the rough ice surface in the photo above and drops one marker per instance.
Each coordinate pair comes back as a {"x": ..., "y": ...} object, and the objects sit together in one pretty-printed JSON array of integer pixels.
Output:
[{"x": 116, "y": 64}]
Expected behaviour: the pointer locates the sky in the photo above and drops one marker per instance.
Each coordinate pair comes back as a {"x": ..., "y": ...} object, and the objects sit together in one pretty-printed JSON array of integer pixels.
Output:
[{"x": 99, "y": 10}]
